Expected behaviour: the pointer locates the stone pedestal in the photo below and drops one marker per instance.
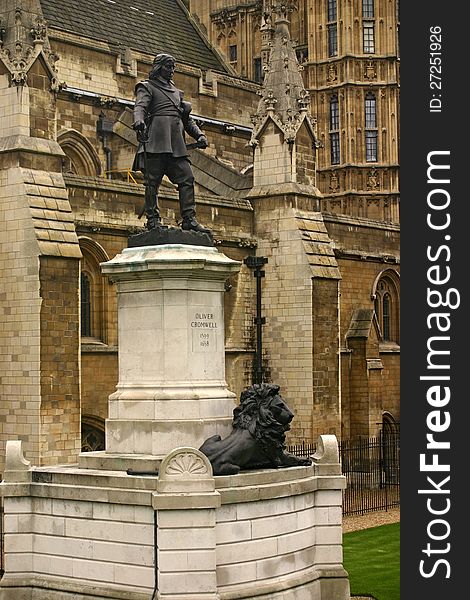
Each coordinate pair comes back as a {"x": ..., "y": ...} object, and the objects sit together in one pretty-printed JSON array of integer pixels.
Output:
[
  {"x": 82, "y": 534},
  {"x": 172, "y": 390},
  {"x": 105, "y": 533}
]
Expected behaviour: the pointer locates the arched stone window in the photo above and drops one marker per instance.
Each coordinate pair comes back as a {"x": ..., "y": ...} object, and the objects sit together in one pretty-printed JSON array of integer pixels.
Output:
[
  {"x": 81, "y": 158},
  {"x": 386, "y": 297},
  {"x": 93, "y": 293},
  {"x": 389, "y": 424},
  {"x": 93, "y": 436},
  {"x": 390, "y": 438},
  {"x": 85, "y": 304}
]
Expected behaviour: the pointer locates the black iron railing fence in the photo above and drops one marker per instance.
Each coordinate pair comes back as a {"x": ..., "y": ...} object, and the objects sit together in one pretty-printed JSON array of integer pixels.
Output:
[
  {"x": 304, "y": 449},
  {"x": 371, "y": 466}
]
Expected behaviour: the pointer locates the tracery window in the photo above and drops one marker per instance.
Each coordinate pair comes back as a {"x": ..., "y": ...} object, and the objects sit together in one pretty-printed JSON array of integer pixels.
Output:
[
  {"x": 80, "y": 157},
  {"x": 371, "y": 131},
  {"x": 368, "y": 35},
  {"x": 368, "y": 26},
  {"x": 85, "y": 305},
  {"x": 334, "y": 131},
  {"x": 386, "y": 305},
  {"x": 368, "y": 9},
  {"x": 332, "y": 28},
  {"x": 93, "y": 293},
  {"x": 93, "y": 434}
]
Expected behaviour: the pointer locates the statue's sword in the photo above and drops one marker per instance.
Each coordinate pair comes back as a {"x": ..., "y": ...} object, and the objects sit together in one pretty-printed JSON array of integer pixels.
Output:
[
  {"x": 195, "y": 145},
  {"x": 142, "y": 138}
]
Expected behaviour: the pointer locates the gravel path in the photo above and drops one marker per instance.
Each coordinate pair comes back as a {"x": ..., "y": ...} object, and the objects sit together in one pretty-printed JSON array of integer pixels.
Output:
[{"x": 372, "y": 519}]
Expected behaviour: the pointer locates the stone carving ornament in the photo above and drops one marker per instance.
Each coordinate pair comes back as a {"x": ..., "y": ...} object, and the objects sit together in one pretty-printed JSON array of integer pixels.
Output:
[
  {"x": 334, "y": 182},
  {"x": 331, "y": 74},
  {"x": 186, "y": 462},
  {"x": 373, "y": 180},
  {"x": 22, "y": 41},
  {"x": 370, "y": 72}
]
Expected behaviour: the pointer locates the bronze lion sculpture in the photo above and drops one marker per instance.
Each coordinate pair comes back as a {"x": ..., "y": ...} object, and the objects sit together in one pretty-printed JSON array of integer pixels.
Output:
[{"x": 258, "y": 434}]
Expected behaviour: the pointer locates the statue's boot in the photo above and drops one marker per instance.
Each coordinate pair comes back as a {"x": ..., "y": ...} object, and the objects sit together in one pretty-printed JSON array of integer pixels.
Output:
[
  {"x": 151, "y": 208},
  {"x": 190, "y": 224},
  {"x": 187, "y": 207}
]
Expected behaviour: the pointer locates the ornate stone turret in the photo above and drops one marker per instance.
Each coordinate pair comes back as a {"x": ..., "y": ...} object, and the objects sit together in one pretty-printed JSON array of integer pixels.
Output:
[
  {"x": 291, "y": 234},
  {"x": 23, "y": 39},
  {"x": 266, "y": 31},
  {"x": 39, "y": 390},
  {"x": 283, "y": 135}
]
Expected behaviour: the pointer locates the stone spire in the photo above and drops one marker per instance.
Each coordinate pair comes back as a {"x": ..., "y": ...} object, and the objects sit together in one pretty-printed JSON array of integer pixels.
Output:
[
  {"x": 23, "y": 39},
  {"x": 284, "y": 98},
  {"x": 283, "y": 134},
  {"x": 266, "y": 31}
]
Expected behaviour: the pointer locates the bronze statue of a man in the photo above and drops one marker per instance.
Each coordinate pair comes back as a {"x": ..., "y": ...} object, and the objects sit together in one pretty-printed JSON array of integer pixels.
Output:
[{"x": 161, "y": 117}]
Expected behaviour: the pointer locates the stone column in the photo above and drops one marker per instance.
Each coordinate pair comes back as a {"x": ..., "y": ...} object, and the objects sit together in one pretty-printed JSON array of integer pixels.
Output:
[
  {"x": 172, "y": 390},
  {"x": 39, "y": 251},
  {"x": 186, "y": 503}
]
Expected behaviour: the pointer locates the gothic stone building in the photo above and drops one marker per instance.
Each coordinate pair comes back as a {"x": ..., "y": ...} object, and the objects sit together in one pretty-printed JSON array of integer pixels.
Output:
[{"x": 301, "y": 170}]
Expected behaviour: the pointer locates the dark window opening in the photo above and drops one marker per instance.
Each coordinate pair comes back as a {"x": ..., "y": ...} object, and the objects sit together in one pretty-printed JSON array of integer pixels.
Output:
[
  {"x": 233, "y": 53},
  {"x": 258, "y": 70},
  {"x": 368, "y": 9},
  {"x": 334, "y": 131},
  {"x": 386, "y": 316},
  {"x": 332, "y": 10},
  {"x": 334, "y": 113},
  {"x": 334, "y": 141},
  {"x": 371, "y": 133},
  {"x": 85, "y": 305},
  {"x": 332, "y": 40},
  {"x": 371, "y": 112}
]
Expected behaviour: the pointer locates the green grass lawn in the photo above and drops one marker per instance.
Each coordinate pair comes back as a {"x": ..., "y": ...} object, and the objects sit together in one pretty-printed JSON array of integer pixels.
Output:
[{"x": 372, "y": 559}]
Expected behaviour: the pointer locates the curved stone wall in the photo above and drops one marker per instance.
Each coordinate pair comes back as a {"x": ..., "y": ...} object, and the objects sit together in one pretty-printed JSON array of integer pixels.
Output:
[{"x": 259, "y": 535}]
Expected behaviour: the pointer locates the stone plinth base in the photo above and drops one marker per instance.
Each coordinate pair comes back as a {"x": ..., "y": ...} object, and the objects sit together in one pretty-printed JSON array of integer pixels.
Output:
[
  {"x": 172, "y": 389},
  {"x": 169, "y": 235},
  {"x": 157, "y": 418},
  {"x": 105, "y": 461},
  {"x": 79, "y": 534}
]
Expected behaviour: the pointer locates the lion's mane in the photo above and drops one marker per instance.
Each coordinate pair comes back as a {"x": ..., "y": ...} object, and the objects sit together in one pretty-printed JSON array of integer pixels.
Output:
[
  {"x": 258, "y": 434},
  {"x": 254, "y": 413}
]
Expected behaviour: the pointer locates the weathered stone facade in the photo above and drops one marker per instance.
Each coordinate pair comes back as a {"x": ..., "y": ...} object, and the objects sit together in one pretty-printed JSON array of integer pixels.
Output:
[
  {"x": 349, "y": 54},
  {"x": 349, "y": 57},
  {"x": 69, "y": 202}
]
